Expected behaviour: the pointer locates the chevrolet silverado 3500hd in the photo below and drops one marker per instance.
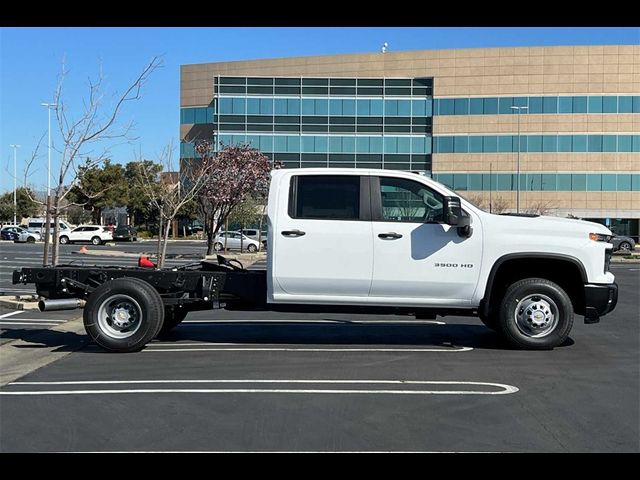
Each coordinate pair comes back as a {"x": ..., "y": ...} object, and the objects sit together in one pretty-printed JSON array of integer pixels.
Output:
[{"x": 351, "y": 240}]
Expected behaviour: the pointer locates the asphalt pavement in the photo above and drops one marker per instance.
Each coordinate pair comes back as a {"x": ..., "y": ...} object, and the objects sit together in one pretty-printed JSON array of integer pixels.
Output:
[{"x": 266, "y": 381}]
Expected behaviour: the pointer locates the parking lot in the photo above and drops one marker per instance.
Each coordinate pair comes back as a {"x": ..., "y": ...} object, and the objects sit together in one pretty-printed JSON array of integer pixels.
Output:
[{"x": 265, "y": 381}]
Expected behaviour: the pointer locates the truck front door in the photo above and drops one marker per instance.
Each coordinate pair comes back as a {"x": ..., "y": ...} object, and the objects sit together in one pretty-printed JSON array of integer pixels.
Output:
[
  {"x": 417, "y": 257},
  {"x": 322, "y": 250}
]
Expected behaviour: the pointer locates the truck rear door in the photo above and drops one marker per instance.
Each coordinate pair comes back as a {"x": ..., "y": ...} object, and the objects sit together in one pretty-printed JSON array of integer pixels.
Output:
[{"x": 322, "y": 240}]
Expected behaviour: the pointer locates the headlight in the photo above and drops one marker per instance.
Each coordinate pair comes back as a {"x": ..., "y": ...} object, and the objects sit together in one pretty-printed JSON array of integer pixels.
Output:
[{"x": 599, "y": 237}]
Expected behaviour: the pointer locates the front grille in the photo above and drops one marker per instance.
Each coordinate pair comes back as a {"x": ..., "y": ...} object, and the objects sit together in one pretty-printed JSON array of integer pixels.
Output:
[{"x": 607, "y": 259}]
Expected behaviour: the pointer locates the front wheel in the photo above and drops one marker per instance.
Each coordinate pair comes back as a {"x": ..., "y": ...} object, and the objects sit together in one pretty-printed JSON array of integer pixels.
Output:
[
  {"x": 96, "y": 240},
  {"x": 124, "y": 314},
  {"x": 535, "y": 314},
  {"x": 217, "y": 246},
  {"x": 64, "y": 240},
  {"x": 31, "y": 240},
  {"x": 252, "y": 248}
]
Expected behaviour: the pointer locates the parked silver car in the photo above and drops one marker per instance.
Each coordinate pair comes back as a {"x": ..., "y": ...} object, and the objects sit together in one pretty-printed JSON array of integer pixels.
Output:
[
  {"x": 26, "y": 236},
  {"x": 233, "y": 240}
]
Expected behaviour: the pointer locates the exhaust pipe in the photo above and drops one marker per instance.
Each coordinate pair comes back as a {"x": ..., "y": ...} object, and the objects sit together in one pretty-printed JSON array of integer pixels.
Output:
[{"x": 61, "y": 304}]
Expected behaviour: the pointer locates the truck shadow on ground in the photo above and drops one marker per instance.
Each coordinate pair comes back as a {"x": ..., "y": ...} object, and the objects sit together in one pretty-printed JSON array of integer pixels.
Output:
[
  {"x": 65, "y": 341},
  {"x": 341, "y": 333}
]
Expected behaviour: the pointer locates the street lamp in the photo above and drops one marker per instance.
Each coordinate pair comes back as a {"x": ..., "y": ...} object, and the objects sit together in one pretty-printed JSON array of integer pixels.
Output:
[
  {"x": 518, "y": 162},
  {"x": 15, "y": 189}
]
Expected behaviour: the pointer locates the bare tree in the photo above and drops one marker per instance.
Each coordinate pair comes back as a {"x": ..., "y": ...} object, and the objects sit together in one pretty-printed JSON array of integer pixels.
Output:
[
  {"x": 541, "y": 207},
  {"x": 169, "y": 191},
  {"x": 237, "y": 172},
  {"x": 88, "y": 135}
]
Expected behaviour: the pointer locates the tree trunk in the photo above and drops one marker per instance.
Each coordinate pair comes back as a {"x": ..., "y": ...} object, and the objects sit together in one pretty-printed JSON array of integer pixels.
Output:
[
  {"x": 159, "y": 249},
  {"x": 55, "y": 240},
  {"x": 241, "y": 236},
  {"x": 164, "y": 247},
  {"x": 209, "y": 228},
  {"x": 46, "y": 233}
]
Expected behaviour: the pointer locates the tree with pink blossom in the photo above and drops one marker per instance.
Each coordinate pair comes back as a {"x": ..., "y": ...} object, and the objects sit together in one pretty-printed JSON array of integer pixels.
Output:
[{"x": 237, "y": 172}]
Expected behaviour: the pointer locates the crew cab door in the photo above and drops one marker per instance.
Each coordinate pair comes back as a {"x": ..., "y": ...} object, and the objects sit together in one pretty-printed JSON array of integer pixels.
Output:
[
  {"x": 417, "y": 257},
  {"x": 321, "y": 241}
]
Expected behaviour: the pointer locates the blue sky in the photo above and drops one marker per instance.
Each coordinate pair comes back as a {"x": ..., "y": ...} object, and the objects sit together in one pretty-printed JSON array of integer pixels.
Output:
[{"x": 30, "y": 61}]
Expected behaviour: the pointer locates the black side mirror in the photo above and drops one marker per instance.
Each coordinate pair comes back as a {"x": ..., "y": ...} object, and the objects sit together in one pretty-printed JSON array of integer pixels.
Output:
[
  {"x": 453, "y": 216},
  {"x": 452, "y": 211}
]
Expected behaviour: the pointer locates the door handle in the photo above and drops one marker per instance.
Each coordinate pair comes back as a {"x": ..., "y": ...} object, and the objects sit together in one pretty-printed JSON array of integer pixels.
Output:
[
  {"x": 292, "y": 233},
  {"x": 390, "y": 235}
]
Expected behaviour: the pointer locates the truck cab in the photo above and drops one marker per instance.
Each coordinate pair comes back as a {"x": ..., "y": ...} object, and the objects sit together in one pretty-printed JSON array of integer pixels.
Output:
[{"x": 386, "y": 238}]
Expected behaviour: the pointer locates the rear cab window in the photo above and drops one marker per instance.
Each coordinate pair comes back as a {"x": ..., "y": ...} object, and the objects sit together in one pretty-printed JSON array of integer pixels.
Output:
[{"x": 325, "y": 197}]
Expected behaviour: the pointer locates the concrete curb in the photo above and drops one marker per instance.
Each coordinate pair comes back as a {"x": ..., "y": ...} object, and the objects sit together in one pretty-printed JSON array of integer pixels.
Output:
[
  {"x": 20, "y": 357},
  {"x": 15, "y": 303}
]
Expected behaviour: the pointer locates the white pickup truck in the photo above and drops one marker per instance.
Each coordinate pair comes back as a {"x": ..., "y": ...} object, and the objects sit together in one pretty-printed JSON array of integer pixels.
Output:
[{"x": 357, "y": 240}]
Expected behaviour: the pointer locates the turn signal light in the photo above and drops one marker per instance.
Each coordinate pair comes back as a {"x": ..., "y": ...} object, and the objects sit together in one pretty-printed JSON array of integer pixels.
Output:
[{"x": 599, "y": 237}]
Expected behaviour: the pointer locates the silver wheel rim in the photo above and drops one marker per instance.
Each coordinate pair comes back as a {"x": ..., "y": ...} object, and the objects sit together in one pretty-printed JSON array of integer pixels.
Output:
[
  {"x": 119, "y": 316},
  {"x": 63, "y": 240},
  {"x": 94, "y": 241},
  {"x": 252, "y": 248},
  {"x": 625, "y": 246},
  {"x": 217, "y": 247},
  {"x": 536, "y": 315}
]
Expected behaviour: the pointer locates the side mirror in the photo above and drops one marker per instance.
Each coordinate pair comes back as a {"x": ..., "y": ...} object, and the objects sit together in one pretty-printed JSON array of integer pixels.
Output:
[
  {"x": 452, "y": 211},
  {"x": 453, "y": 216}
]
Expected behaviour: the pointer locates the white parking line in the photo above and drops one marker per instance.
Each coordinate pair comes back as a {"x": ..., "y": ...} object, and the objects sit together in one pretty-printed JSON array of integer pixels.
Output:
[
  {"x": 38, "y": 324},
  {"x": 261, "y": 349},
  {"x": 504, "y": 389},
  {"x": 11, "y": 314}
]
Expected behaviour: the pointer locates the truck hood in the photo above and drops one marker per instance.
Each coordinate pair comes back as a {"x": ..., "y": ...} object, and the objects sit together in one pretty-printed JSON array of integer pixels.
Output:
[{"x": 550, "y": 226}]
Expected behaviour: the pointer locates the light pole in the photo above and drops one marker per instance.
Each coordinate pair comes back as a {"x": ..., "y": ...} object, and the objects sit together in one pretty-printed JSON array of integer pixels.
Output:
[
  {"x": 518, "y": 161},
  {"x": 15, "y": 189},
  {"x": 46, "y": 231}
]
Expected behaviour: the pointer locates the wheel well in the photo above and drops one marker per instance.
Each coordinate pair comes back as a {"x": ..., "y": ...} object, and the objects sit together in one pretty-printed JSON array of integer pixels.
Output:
[{"x": 566, "y": 273}]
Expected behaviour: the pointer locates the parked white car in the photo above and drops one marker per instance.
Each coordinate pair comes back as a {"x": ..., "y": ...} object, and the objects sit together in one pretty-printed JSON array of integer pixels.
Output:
[
  {"x": 96, "y": 234},
  {"x": 25, "y": 236},
  {"x": 233, "y": 242}
]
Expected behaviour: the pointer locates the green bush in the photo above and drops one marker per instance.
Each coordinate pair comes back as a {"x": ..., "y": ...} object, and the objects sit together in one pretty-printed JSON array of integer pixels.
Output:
[{"x": 144, "y": 234}]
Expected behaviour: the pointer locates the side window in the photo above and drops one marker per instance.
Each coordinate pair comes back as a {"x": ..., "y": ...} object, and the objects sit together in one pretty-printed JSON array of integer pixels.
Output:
[
  {"x": 326, "y": 197},
  {"x": 408, "y": 201},
  {"x": 79, "y": 229}
]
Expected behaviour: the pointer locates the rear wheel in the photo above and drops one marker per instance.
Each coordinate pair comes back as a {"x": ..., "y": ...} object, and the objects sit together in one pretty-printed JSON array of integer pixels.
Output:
[
  {"x": 625, "y": 247},
  {"x": 124, "y": 314},
  {"x": 64, "y": 240},
  {"x": 172, "y": 318},
  {"x": 96, "y": 240},
  {"x": 217, "y": 246},
  {"x": 535, "y": 314}
]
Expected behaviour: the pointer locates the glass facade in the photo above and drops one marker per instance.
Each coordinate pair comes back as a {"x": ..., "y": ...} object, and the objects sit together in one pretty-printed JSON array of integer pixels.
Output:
[
  {"x": 323, "y": 122},
  {"x": 537, "y": 105},
  {"x": 536, "y": 143},
  {"x": 565, "y": 182}
]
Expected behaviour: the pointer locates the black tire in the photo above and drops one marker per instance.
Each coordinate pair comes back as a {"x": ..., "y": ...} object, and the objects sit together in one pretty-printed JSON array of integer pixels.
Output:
[
  {"x": 172, "y": 318},
  {"x": 252, "y": 248},
  {"x": 624, "y": 247},
  {"x": 96, "y": 240},
  {"x": 64, "y": 240},
  {"x": 150, "y": 314},
  {"x": 31, "y": 240},
  {"x": 218, "y": 246},
  {"x": 535, "y": 314}
]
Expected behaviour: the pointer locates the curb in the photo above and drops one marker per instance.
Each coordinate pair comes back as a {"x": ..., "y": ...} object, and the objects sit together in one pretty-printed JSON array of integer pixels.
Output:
[
  {"x": 15, "y": 303},
  {"x": 20, "y": 358}
]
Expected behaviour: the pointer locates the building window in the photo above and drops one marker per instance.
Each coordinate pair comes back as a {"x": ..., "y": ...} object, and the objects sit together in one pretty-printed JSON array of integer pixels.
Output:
[
  {"x": 565, "y": 104},
  {"x": 595, "y": 104}
]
